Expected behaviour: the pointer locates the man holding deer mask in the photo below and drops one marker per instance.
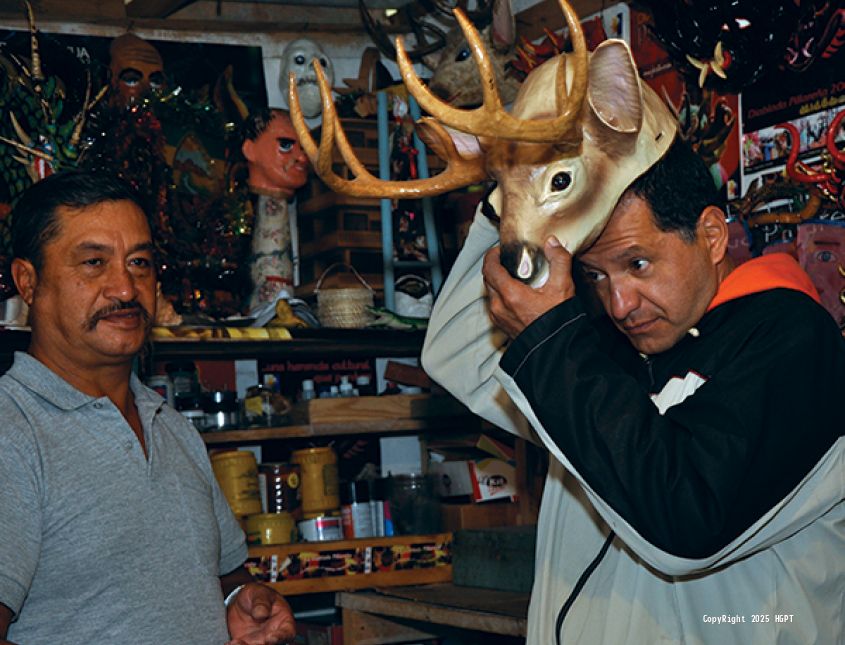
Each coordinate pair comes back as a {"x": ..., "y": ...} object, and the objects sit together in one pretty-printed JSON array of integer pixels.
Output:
[{"x": 695, "y": 489}]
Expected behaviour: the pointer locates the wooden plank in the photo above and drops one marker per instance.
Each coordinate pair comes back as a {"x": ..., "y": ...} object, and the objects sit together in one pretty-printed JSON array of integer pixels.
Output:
[
  {"x": 368, "y": 408},
  {"x": 285, "y": 549},
  {"x": 464, "y": 607},
  {"x": 154, "y": 8},
  {"x": 364, "y": 581},
  {"x": 342, "y": 239},
  {"x": 360, "y": 628}
]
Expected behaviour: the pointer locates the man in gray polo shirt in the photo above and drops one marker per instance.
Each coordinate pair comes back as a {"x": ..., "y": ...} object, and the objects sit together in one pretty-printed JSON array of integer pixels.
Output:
[{"x": 112, "y": 526}]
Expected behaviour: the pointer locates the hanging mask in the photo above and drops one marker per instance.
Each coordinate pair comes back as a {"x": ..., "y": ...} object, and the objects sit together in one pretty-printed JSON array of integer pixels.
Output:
[
  {"x": 137, "y": 69},
  {"x": 297, "y": 59}
]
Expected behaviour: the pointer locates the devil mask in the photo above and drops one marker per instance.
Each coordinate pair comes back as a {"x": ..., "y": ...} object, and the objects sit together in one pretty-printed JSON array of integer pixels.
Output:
[
  {"x": 277, "y": 164},
  {"x": 297, "y": 60},
  {"x": 136, "y": 69}
]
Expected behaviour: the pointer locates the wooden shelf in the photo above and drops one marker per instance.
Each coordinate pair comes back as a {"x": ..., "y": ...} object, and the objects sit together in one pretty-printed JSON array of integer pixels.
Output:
[
  {"x": 362, "y": 415},
  {"x": 320, "y": 566}
]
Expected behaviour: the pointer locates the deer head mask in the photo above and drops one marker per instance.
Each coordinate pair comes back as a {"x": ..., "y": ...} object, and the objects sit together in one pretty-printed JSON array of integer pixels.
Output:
[{"x": 581, "y": 129}]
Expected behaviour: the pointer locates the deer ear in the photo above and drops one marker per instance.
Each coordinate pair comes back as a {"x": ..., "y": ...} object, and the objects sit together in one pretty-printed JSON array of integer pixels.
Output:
[
  {"x": 614, "y": 92},
  {"x": 437, "y": 138},
  {"x": 503, "y": 28}
]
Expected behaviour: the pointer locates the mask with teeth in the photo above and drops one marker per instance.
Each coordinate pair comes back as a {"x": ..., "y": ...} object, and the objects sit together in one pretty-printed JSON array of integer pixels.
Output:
[{"x": 297, "y": 58}]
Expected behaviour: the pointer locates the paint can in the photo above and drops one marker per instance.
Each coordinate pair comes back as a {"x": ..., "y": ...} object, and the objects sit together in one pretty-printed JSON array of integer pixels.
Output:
[
  {"x": 270, "y": 528},
  {"x": 237, "y": 473},
  {"x": 319, "y": 480}
]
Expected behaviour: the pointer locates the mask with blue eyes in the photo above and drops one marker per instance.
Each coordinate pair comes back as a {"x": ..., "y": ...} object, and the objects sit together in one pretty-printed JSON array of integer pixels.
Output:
[{"x": 297, "y": 58}]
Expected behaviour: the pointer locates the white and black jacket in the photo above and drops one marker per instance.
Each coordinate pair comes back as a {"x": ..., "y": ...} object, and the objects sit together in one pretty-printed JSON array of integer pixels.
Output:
[{"x": 719, "y": 465}]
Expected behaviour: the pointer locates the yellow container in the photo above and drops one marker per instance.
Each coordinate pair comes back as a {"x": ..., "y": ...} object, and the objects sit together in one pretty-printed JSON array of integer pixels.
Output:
[
  {"x": 319, "y": 480},
  {"x": 270, "y": 528},
  {"x": 237, "y": 474}
]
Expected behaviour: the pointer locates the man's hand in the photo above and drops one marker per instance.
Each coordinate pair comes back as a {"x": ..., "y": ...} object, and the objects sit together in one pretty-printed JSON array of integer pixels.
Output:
[
  {"x": 258, "y": 615},
  {"x": 513, "y": 304}
]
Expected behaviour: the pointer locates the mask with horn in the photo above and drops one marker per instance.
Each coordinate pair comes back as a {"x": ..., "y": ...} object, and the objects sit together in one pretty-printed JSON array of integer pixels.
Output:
[{"x": 561, "y": 159}]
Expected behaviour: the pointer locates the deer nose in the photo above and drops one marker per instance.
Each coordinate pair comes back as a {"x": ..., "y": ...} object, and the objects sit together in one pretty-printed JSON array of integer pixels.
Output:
[{"x": 525, "y": 262}]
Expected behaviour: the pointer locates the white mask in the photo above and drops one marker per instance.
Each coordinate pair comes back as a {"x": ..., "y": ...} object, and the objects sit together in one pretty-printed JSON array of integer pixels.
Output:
[{"x": 297, "y": 58}]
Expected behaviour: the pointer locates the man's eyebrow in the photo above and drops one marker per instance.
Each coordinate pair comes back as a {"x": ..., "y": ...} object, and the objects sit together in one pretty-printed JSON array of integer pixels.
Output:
[{"x": 107, "y": 248}]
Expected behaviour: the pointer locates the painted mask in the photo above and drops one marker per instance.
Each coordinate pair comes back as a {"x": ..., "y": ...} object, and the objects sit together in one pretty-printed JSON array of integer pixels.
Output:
[
  {"x": 136, "y": 69},
  {"x": 277, "y": 163},
  {"x": 297, "y": 58}
]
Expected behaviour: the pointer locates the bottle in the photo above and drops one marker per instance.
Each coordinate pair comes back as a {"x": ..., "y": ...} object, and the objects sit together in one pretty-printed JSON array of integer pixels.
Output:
[
  {"x": 308, "y": 392},
  {"x": 345, "y": 387},
  {"x": 355, "y": 510},
  {"x": 362, "y": 383}
]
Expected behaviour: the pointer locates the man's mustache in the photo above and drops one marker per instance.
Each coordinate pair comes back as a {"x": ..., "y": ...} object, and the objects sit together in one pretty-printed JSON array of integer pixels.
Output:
[{"x": 132, "y": 305}]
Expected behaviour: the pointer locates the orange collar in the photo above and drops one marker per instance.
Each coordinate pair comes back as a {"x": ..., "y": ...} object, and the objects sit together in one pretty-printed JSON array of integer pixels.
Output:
[{"x": 773, "y": 271}]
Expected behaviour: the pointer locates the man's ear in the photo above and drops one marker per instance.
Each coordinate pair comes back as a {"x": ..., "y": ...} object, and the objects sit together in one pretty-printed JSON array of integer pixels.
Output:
[
  {"x": 25, "y": 277},
  {"x": 248, "y": 149},
  {"x": 713, "y": 230}
]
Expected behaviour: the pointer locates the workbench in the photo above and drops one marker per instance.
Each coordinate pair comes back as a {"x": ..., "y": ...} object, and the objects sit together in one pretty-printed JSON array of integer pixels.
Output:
[{"x": 419, "y": 613}]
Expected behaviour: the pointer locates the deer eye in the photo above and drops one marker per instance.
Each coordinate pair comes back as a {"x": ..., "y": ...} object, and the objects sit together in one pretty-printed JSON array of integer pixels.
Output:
[
  {"x": 561, "y": 181},
  {"x": 463, "y": 54}
]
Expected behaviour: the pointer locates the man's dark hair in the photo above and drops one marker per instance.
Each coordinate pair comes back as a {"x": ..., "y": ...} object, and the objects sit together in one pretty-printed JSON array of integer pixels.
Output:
[
  {"x": 35, "y": 218},
  {"x": 677, "y": 188},
  {"x": 256, "y": 123}
]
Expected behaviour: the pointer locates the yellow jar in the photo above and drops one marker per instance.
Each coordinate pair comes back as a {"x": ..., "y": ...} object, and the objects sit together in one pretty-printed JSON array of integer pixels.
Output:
[
  {"x": 237, "y": 474},
  {"x": 270, "y": 528},
  {"x": 319, "y": 480}
]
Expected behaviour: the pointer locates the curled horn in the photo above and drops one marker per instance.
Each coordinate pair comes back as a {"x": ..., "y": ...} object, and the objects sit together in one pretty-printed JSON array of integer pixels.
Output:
[
  {"x": 385, "y": 46},
  {"x": 491, "y": 119},
  {"x": 837, "y": 154},
  {"x": 794, "y": 168},
  {"x": 459, "y": 171},
  {"x": 22, "y": 135},
  {"x": 37, "y": 74}
]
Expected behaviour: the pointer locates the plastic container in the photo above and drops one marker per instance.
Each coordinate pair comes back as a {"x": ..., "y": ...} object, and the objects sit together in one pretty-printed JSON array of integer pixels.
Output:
[
  {"x": 183, "y": 374},
  {"x": 270, "y": 528},
  {"x": 237, "y": 474},
  {"x": 414, "y": 506},
  {"x": 319, "y": 480}
]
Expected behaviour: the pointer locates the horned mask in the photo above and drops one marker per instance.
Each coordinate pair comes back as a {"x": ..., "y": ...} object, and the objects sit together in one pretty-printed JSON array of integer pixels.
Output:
[
  {"x": 297, "y": 59},
  {"x": 561, "y": 159}
]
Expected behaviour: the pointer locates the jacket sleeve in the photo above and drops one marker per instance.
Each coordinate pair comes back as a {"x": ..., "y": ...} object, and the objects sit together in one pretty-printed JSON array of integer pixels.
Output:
[
  {"x": 462, "y": 348},
  {"x": 721, "y": 475}
]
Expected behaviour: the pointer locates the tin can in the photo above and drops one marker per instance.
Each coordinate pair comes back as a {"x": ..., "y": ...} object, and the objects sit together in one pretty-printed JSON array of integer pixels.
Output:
[
  {"x": 321, "y": 529},
  {"x": 270, "y": 528},
  {"x": 283, "y": 487},
  {"x": 319, "y": 480},
  {"x": 237, "y": 474}
]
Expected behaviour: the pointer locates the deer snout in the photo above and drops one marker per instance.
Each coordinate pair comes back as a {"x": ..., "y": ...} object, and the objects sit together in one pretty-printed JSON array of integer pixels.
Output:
[{"x": 525, "y": 262}]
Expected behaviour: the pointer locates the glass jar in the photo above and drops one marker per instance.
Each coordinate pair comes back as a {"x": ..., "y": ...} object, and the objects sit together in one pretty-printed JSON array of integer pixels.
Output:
[
  {"x": 221, "y": 410},
  {"x": 265, "y": 408},
  {"x": 414, "y": 506}
]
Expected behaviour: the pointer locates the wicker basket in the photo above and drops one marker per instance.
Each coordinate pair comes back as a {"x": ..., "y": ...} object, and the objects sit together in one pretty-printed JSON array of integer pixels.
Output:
[{"x": 344, "y": 307}]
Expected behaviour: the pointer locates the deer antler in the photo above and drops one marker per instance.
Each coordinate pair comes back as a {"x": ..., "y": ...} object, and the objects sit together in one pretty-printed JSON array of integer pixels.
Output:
[
  {"x": 459, "y": 171},
  {"x": 382, "y": 41},
  {"x": 491, "y": 119}
]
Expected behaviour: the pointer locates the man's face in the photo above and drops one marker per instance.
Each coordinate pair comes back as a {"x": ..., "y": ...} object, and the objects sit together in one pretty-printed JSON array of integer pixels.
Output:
[
  {"x": 93, "y": 301},
  {"x": 136, "y": 69},
  {"x": 654, "y": 285},
  {"x": 276, "y": 161}
]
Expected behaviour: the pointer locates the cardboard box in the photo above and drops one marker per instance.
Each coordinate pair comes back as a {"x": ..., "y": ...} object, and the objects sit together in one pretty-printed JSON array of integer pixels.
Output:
[
  {"x": 478, "y": 516},
  {"x": 480, "y": 479}
]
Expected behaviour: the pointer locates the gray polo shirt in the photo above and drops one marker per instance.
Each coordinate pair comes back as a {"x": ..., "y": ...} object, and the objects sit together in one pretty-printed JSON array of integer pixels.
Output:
[{"x": 99, "y": 544}]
